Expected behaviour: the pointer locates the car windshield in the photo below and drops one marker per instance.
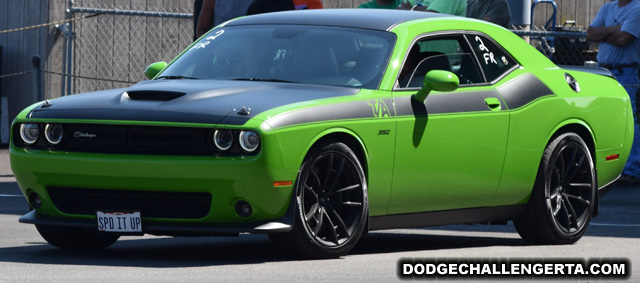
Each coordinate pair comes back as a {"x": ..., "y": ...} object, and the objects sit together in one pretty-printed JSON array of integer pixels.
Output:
[{"x": 300, "y": 54}]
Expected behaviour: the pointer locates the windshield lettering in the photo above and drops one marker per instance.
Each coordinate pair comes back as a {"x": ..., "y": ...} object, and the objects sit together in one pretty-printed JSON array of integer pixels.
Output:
[{"x": 280, "y": 52}]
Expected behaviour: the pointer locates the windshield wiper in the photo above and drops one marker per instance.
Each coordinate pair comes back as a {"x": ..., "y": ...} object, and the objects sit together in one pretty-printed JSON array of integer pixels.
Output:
[
  {"x": 177, "y": 77},
  {"x": 263, "y": 80}
]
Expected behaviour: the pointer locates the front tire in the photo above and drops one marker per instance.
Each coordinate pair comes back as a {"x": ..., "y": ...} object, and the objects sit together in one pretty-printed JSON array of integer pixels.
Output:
[
  {"x": 331, "y": 205},
  {"x": 73, "y": 238},
  {"x": 564, "y": 195}
]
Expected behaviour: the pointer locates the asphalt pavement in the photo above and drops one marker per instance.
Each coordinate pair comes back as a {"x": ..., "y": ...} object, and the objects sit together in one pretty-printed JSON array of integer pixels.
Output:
[{"x": 25, "y": 257}]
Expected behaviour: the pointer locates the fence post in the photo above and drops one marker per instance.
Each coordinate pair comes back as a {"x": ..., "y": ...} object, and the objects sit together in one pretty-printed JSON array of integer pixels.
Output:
[
  {"x": 67, "y": 36},
  {"x": 63, "y": 30},
  {"x": 37, "y": 78},
  {"x": 70, "y": 36},
  {"x": 4, "y": 111}
]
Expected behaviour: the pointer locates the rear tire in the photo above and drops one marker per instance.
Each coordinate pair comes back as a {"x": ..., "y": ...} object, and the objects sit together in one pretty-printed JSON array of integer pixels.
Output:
[
  {"x": 331, "y": 205},
  {"x": 564, "y": 195},
  {"x": 73, "y": 238}
]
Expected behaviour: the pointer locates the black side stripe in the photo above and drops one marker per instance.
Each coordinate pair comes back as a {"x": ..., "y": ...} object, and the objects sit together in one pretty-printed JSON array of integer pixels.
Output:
[
  {"x": 405, "y": 105},
  {"x": 458, "y": 102},
  {"x": 523, "y": 90},
  {"x": 379, "y": 108},
  {"x": 512, "y": 95}
]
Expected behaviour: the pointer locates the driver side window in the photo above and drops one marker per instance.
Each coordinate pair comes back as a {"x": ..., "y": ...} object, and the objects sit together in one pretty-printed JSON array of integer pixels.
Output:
[{"x": 441, "y": 53}]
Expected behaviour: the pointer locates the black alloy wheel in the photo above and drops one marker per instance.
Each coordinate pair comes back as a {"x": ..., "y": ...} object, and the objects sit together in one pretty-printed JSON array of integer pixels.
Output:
[
  {"x": 332, "y": 205},
  {"x": 564, "y": 196}
]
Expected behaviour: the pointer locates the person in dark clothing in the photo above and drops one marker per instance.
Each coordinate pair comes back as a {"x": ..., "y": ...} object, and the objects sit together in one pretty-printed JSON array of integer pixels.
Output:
[
  {"x": 215, "y": 12},
  {"x": 197, "y": 7},
  {"x": 267, "y": 6},
  {"x": 495, "y": 11}
]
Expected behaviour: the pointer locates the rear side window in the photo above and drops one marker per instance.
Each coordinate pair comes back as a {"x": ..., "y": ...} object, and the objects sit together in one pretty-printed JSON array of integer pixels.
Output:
[{"x": 493, "y": 60}]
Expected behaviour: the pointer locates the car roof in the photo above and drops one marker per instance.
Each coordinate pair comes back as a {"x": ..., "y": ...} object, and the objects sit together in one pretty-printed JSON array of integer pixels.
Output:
[{"x": 377, "y": 19}]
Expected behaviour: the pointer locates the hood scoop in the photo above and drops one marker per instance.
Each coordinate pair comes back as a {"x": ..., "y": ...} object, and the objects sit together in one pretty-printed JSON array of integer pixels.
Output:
[{"x": 153, "y": 95}]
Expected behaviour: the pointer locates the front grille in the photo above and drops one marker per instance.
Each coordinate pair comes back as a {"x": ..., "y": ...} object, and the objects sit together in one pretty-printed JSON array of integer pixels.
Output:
[
  {"x": 125, "y": 139},
  {"x": 137, "y": 140},
  {"x": 182, "y": 205}
]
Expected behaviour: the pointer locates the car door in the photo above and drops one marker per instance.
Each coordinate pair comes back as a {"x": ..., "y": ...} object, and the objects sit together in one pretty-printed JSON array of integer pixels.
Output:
[{"x": 450, "y": 148}]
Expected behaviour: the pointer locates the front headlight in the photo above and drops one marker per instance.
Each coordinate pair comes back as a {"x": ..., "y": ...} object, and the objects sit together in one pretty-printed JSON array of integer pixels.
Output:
[
  {"x": 249, "y": 141},
  {"x": 29, "y": 133},
  {"x": 53, "y": 133},
  {"x": 223, "y": 139}
]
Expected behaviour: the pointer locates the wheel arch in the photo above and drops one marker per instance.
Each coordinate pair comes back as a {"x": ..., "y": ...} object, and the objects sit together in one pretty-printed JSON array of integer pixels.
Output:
[
  {"x": 346, "y": 136},
  {"x": 579, "y": 127}
]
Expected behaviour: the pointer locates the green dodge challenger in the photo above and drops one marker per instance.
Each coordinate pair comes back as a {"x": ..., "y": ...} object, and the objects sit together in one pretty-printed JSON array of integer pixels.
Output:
[{"x": 318, "y": 126}]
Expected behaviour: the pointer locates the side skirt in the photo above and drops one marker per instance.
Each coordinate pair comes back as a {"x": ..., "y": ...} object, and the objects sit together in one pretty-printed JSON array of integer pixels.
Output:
[{"x": 447, "y": 217}]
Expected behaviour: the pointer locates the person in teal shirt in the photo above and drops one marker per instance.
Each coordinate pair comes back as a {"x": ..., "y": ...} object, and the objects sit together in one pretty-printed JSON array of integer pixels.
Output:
[
  {"x": 381, "y": 4},
  {"x": 451, "y": 7}
]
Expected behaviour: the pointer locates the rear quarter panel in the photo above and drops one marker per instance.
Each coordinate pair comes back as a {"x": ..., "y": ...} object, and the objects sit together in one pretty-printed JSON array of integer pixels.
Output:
[{"x": 602, "y": 108}]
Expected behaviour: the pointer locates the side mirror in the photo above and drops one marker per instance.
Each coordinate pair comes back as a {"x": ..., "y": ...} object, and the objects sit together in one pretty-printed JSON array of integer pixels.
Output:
[
  {"x": 153, "y": 69},
  {"x": 437, "y": 80}
]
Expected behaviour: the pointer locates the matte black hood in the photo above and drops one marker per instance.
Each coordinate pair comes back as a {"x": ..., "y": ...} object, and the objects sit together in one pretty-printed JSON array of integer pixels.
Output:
[{"x": 189, "y": 101}]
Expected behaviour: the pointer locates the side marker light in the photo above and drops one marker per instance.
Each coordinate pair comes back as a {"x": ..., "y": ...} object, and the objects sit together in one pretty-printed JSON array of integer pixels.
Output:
[
  {"x": 282, "y": 183},
  {"x": 613, "y": 157}
]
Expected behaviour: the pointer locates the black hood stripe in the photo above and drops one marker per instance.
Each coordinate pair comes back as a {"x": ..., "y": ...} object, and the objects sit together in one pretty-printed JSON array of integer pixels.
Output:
[
  {"x": 523, "y": 90},
  {"x": 204, "y": 101}
]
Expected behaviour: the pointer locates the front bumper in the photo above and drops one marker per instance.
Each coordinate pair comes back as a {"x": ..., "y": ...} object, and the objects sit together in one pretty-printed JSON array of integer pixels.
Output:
[{"x": 227, "y": 179}]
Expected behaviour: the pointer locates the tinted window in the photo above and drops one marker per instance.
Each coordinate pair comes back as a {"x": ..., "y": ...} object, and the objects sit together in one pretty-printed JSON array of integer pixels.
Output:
[
  {"x": 493, "y": 60},
  {"x": 449, "y": 53},
  {"x": 302, "y": 54}
]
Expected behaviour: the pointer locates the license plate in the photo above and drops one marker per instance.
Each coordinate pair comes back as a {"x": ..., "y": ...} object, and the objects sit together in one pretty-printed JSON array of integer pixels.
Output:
[{"x": 121, "y": 222}]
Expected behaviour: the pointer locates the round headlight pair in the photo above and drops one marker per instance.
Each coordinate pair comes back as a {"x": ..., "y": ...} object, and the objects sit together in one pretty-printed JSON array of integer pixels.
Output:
[
  {"x": 249, "y": 140},
  {"x": 30, "y": 133}
]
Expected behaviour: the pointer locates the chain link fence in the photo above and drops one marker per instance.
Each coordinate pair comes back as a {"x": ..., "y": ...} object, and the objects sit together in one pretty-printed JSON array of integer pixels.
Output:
[
  {"x": 565, "y": 45},
  {"x": 112, "y": 49}
]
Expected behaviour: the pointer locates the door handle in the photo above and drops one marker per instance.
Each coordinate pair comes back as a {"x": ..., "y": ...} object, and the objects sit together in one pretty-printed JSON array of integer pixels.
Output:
[{"x": 493, "y": 103}]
